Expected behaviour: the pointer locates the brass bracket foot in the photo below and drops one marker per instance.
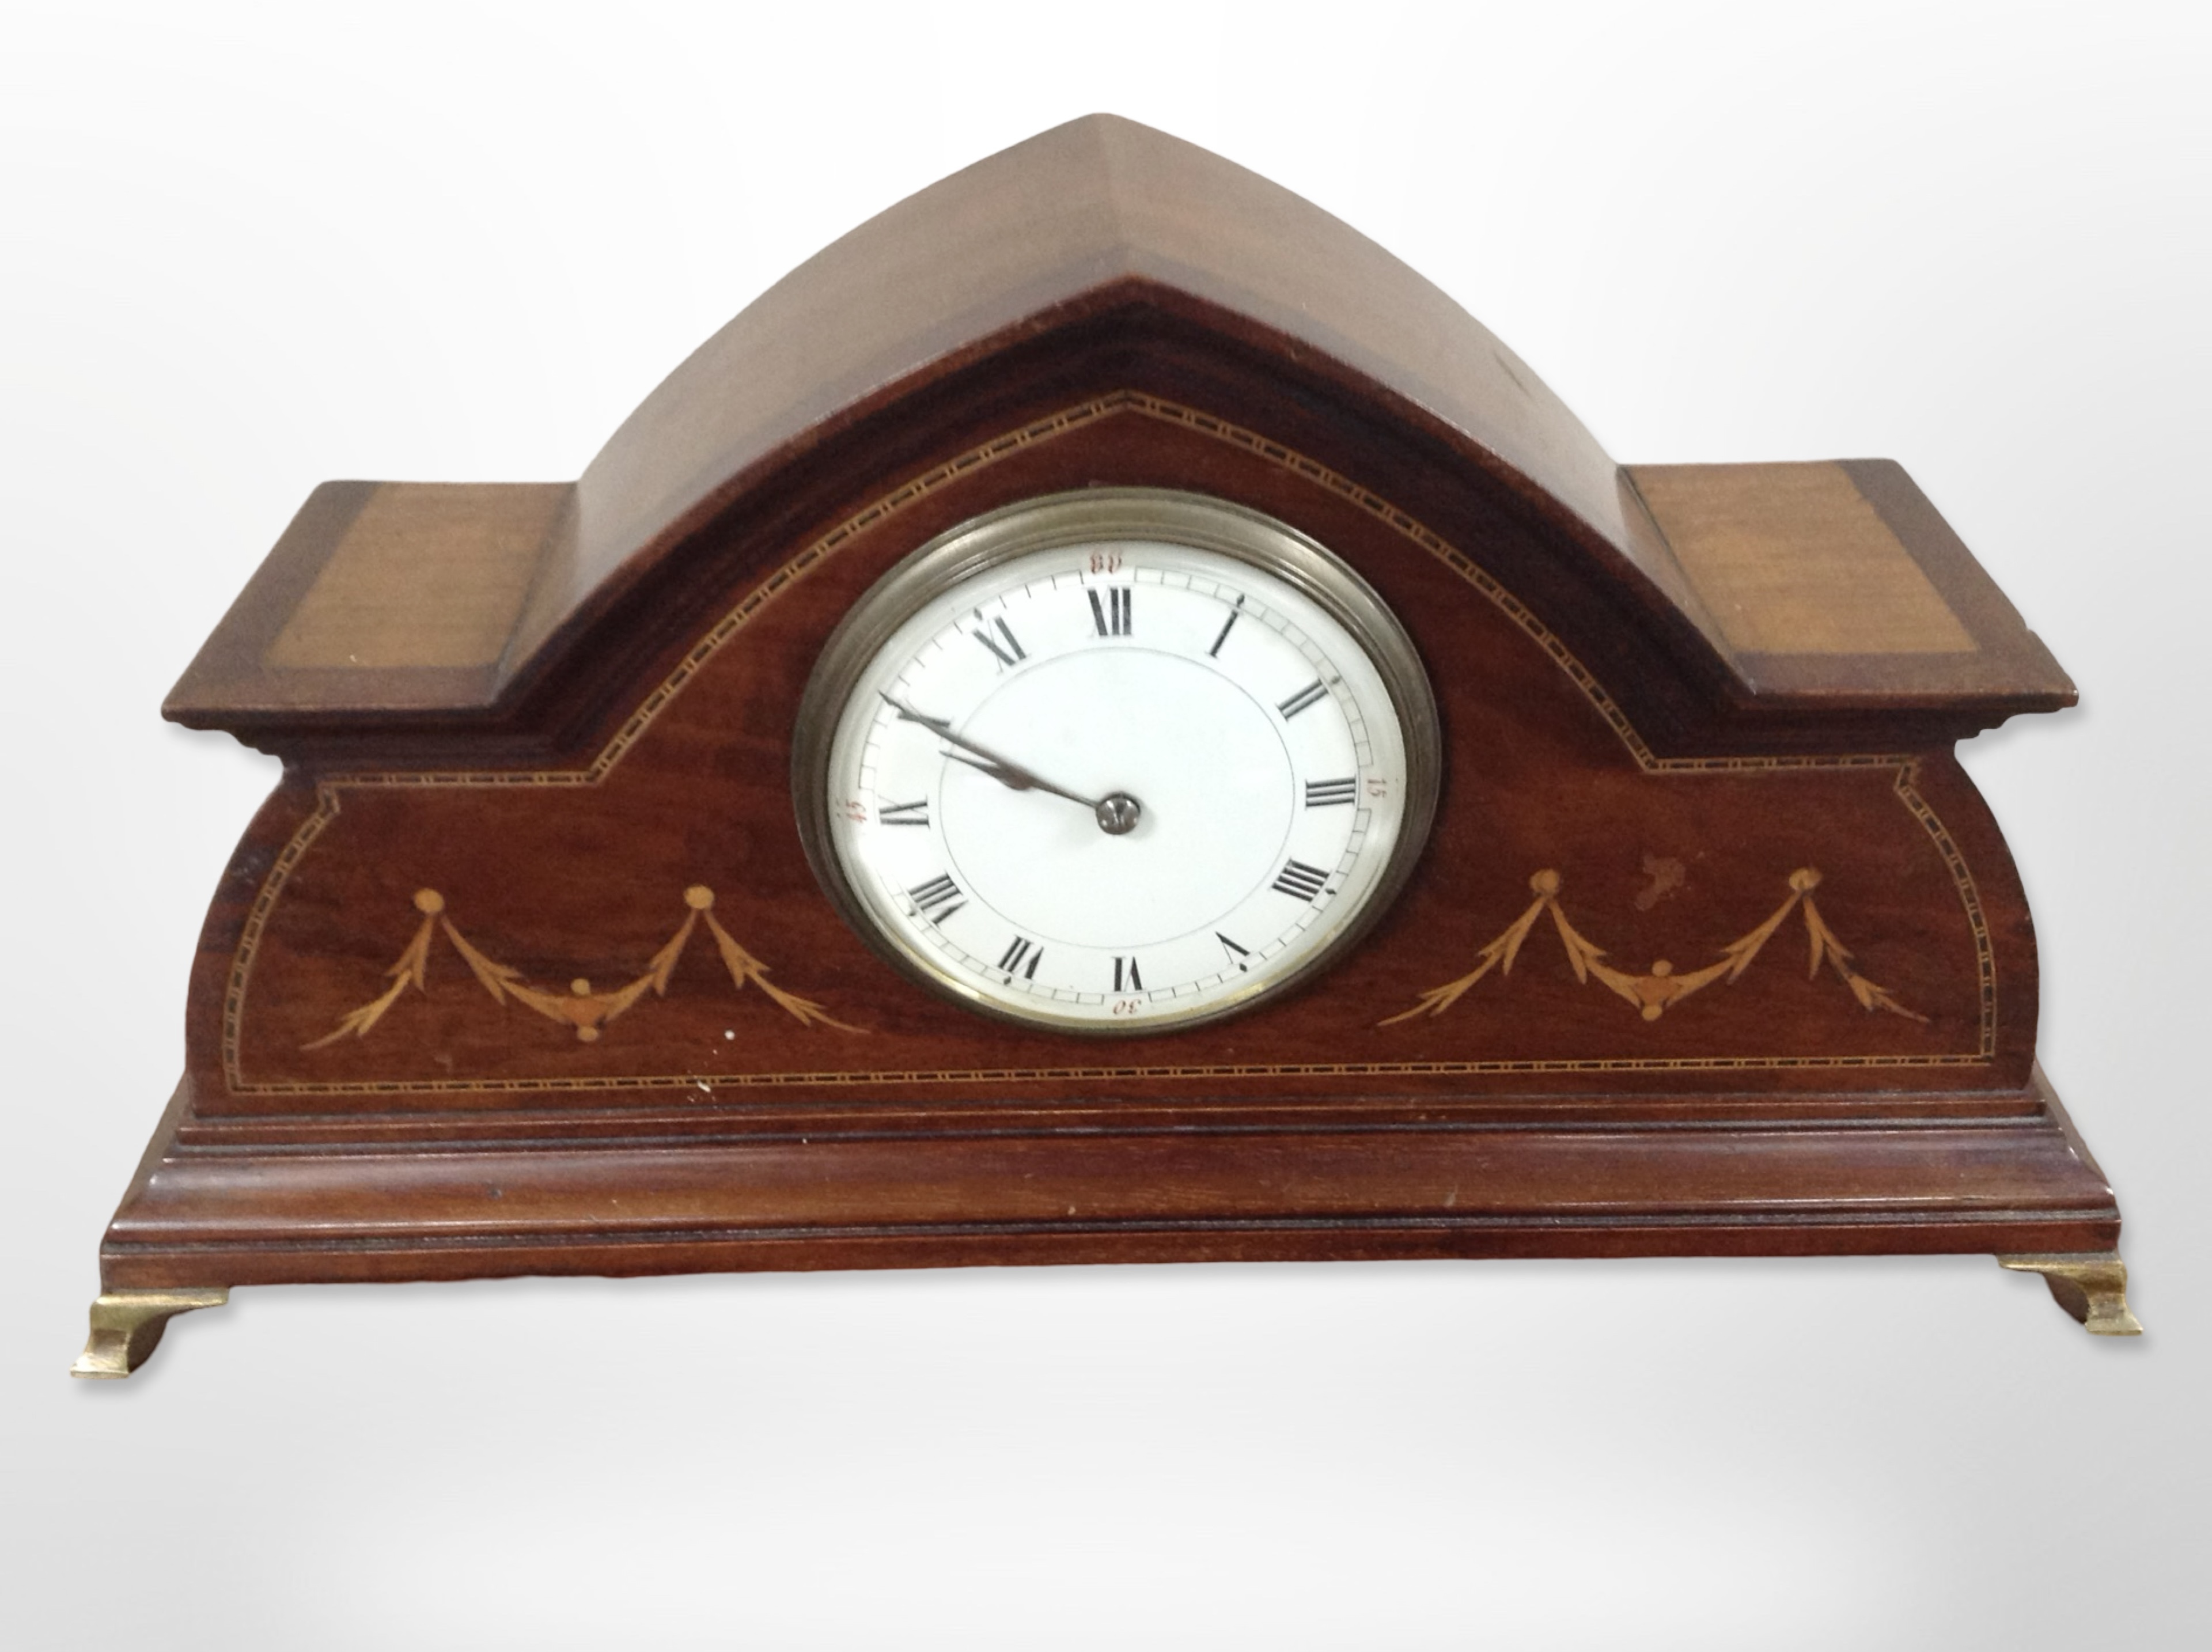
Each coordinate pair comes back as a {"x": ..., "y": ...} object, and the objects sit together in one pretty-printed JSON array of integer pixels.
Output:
[
  {"x": 127, "y": 1325},
  {"x": 2090, "y": 1284}
]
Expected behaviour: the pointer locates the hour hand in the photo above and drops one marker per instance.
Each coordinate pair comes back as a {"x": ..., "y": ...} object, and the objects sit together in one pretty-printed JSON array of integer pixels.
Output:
[
  {"x": 1019, "y": 780},
  {"x": 992, "y": 763},
  {"x": 1011, "y": 775},
  {"x": 1116, "y": 813},
  {"x": 1002, "y": 770}
]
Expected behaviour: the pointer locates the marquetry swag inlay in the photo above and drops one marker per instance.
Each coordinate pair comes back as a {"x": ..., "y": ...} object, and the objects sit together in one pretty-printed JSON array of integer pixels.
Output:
[
  {"x": 1657, "y": 989},
  {"x": 580, "y": 1008}
]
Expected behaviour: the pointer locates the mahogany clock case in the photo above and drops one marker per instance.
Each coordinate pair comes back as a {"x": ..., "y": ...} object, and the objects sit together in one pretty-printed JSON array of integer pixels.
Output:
[{"x": 1714, "y": 949}]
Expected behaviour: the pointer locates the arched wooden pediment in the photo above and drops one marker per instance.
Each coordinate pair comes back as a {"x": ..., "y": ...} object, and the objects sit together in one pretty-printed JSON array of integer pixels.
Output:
[{"x": 1730, "y": 608}]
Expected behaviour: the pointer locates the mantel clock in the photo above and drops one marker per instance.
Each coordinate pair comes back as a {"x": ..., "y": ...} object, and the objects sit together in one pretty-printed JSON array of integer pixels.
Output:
[{"x": 1105, "y": 719}]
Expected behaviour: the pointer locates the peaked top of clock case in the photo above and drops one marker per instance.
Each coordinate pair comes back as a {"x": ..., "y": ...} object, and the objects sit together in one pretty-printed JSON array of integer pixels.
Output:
[
  {"x": 1095, "y": 204},
  {"x": 450, "y": 604}
]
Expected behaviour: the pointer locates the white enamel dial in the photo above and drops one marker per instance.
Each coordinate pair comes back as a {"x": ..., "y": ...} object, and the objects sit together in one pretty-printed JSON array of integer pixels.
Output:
[{"x": 1120, "y": 781}]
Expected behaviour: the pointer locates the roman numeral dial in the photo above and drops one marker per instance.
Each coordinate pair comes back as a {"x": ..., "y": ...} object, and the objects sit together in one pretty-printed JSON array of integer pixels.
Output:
[{"x": 1113, "y": 782}]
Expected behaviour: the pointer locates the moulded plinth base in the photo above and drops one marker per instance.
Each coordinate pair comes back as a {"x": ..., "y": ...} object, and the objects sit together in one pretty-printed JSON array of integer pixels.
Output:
[{"x": 2019, "y": 1186}]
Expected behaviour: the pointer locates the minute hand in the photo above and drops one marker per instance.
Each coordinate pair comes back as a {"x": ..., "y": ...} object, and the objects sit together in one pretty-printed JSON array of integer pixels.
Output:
[
  {"x": 1116, "y": 812},
  {"x": 1005, "y": 770}
]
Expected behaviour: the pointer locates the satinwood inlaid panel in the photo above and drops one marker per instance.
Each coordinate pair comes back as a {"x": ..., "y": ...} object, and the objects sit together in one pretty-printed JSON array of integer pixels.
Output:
[{"x": 447, "y": 938}]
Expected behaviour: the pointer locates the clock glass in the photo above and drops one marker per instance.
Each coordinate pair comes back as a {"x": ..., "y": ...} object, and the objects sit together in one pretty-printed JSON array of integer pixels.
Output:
[{"x": 1117, "y": 761}]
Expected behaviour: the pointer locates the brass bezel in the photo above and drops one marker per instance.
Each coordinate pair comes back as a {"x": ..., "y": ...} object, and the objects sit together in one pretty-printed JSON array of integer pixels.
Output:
[{"x": 1052, "y": 521}]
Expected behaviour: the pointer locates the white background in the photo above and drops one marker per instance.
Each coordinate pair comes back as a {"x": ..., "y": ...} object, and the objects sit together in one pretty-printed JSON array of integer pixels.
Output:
[{"x": 242, "y": 251}]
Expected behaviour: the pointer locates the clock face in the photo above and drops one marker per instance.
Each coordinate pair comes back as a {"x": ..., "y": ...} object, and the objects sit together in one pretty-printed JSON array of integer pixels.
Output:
[{"x": 1117, "y": 761}]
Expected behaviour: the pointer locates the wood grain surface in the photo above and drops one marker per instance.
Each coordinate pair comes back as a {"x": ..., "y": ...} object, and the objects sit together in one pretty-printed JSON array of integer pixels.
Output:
[
  {"x": 1101, "y": 255},
  {"x": 1714, "y": 947}
]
